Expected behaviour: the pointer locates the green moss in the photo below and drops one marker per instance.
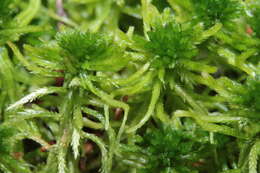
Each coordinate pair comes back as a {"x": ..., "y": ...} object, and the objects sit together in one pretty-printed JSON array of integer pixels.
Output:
[
  {"x": 214, "y": 11},
  {"x": 169, "y": 44},
  {"x": 253, "y": 18},
  {"x": 171, "y": 90},
  {"x": 5, "y": 12},
  {"x": 161, "y": 4},
  {"x": 171, "y": 149},
  {"x": 251, "y": 98},
  {"x": 6, "y": 135},
  {"x": 82, "y": 45}
]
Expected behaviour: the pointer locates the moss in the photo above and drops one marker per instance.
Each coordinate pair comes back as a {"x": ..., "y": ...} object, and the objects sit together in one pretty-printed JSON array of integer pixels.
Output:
[
  {"x": 178, "y": 92},
  {"x": 169, "y": 44},
  {"x": 211, "y": 12}
]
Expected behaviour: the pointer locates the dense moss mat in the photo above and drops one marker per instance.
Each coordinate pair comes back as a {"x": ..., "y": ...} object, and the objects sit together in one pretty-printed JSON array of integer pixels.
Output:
[{"x": 129, "y": 86}]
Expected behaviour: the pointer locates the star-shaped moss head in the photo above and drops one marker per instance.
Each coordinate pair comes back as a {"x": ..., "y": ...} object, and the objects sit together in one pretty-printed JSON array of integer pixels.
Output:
[
  {"x": 169, "y": 44},
  {"x": 213, "y": 11}
]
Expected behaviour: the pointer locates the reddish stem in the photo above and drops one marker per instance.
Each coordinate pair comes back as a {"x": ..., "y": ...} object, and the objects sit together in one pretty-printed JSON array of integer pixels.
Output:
[
  {"x": 60, "y": 11},
  {"x": 119, "y": 111}
]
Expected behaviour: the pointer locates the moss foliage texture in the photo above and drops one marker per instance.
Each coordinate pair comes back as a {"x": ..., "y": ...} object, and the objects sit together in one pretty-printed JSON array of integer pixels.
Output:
[{"x": 129, "y": 86}]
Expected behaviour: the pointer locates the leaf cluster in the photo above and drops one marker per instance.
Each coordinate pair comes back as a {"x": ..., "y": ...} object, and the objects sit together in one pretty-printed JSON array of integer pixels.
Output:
[
  {"x": 92, "y": 51},
  {"x": 5, "y": 12},
  {"x": 211, "y": 12},
  {"x": 170, "y": 43},
  {"x": 172, "y": 149},
  {"x": 6, "y": 135},
  {"x": 83, "y": 45},
  {"x": 250, "y": 98},
  {"x": 254, "y": 16}
]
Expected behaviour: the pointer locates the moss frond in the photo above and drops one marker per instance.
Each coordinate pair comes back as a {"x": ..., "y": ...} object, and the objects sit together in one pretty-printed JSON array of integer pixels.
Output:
[
  {"x": 83, "y": 45},
  {"x": 5, "y": 12},
  {"x": 168, "y": 148},
  {"x": 92, "y": 51},
  {"x": 251, "y": 98},
  {"x": 211, "y": 12},
  {"x": 254, "y": 18},
  {"x": 6, "y": 134},
  {"x": 170, "y": 43}
]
